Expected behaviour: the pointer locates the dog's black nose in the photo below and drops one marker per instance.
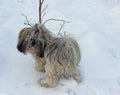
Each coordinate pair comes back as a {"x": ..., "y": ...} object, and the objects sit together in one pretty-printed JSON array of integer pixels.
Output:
[{"x": 19, "y": 47}]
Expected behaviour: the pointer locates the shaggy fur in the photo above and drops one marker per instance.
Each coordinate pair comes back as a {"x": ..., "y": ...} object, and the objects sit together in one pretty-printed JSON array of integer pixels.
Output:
[{"x": 56, "y": 56}]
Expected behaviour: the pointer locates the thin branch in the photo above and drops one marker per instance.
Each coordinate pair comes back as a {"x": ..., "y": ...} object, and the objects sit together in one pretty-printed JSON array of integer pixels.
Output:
[
  {"x": 55, "y": 20},
  {"x": 43, "y": 15},
  {"x": 40, "y": 8},
  {"x": 42, "y": 1},
  {"x": 27, "y": 21},
  {"x": 41, "y": 11},
  {"x": 44, "y": 8},
  {"x": 62, "y": 25}
]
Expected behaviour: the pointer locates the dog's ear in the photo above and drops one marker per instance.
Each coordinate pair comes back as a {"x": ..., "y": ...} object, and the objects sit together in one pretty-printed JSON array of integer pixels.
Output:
[
  {"x": 23, "y": 32},
  {"x": 22, "y": 35}
]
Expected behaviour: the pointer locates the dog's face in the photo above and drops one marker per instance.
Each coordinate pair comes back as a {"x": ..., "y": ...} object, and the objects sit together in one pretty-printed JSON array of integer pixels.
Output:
[
  {"x": 33, "y": 40},
  {"x": 22, "y": 40}
]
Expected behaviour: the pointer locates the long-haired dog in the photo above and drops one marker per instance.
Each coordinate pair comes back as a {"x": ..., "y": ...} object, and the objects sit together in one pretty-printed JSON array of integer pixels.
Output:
[{"x": 56, "y": 56}]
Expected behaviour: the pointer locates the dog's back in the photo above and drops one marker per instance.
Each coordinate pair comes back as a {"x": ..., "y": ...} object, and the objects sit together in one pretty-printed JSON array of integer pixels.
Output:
[{"x": 63, "y": 50}]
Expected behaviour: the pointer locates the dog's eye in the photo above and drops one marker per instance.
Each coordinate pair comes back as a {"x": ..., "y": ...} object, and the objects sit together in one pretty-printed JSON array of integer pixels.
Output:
[{"x": 33, "y": 42}]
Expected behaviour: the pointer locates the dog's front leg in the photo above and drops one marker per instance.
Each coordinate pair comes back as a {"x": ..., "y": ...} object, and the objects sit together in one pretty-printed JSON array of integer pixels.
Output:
[
  {"x": 52, "y": 75},
  {"x": 40, "y": 65}
]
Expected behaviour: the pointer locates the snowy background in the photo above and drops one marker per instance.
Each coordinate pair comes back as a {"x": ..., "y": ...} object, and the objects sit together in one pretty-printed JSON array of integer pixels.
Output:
[{"x": 96, "y": 26}]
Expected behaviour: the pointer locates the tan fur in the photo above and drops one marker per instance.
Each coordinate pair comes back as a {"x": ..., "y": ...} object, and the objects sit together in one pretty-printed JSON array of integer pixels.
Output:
[
  {"x": 56, "y": 56},
  {"x": 40, "y": 64},
  {"x": 22, "y": 34}
]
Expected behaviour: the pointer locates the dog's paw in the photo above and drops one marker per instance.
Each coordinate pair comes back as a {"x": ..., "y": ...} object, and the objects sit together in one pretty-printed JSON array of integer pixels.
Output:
[
  {"x": 78, "y": 78},
  {"x": 46, "y": 83},
  {"x": 40, "y": 69}
]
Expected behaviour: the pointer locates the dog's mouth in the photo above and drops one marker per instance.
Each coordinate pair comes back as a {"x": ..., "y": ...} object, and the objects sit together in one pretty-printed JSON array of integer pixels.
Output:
[
  {"x": 38, "y": 51},
  {"x": 37, "y": 47}
]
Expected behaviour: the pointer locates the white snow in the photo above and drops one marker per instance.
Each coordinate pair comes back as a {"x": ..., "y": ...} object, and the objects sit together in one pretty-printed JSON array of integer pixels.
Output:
[{"x": 96, "y": 26}]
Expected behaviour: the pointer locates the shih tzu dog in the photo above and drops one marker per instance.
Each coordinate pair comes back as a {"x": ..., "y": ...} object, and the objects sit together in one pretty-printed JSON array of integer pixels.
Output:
[{"x": 56, "y": 56}]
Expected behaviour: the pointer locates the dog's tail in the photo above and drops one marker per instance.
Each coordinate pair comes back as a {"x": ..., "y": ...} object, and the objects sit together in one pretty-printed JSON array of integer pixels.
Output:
[{"x": 73, "y": 48}]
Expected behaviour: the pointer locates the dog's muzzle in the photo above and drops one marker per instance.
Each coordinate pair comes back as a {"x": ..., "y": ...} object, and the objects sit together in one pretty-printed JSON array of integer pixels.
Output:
[{"x": 20, "y": 47}]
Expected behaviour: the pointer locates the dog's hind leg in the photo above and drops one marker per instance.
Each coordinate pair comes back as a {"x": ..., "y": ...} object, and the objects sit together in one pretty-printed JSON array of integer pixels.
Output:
[{"x": 76, "y": 75}]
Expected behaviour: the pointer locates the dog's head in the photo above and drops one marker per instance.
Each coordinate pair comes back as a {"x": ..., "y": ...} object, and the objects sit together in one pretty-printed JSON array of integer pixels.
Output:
[
  {"x": 33, "y": 40},
  {"x": 22, "y": 40}
]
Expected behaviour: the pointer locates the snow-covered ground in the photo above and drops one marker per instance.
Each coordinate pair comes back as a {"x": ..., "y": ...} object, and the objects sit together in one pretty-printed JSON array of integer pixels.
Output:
[{"x": 96, "y": 26}]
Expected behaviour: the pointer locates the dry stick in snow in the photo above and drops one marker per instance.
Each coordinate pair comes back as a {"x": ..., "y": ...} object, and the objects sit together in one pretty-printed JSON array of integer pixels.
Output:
[
  {"x": 64, "y": 21},
  {"x": 62, "y": 25},
  {"x": 27, "y": 21},
  {"x": 43, "y": 13},
  {"x": 40, "y": 10},
  {"x": 55, "y": 20}
]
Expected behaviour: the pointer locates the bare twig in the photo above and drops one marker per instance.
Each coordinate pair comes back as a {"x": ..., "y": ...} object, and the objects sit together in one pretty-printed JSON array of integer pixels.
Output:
[
  {"x": 62, "y": 25},
  {"x": 42, "y": 1},
  {"x": 27, "y": 21},
  {"x": 43, "y": 15},
  {"x": 40, "y": 10},
  {"x": 55, "y": 20},
  {"x": 44, "y": 9}
]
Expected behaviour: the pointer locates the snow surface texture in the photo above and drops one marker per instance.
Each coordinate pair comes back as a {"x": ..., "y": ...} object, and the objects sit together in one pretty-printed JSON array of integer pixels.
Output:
[{"x": 96, "y": 26}]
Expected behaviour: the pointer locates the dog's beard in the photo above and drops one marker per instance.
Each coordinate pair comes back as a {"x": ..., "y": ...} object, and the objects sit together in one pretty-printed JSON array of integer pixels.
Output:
[{"x": 37, "y": 47}]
